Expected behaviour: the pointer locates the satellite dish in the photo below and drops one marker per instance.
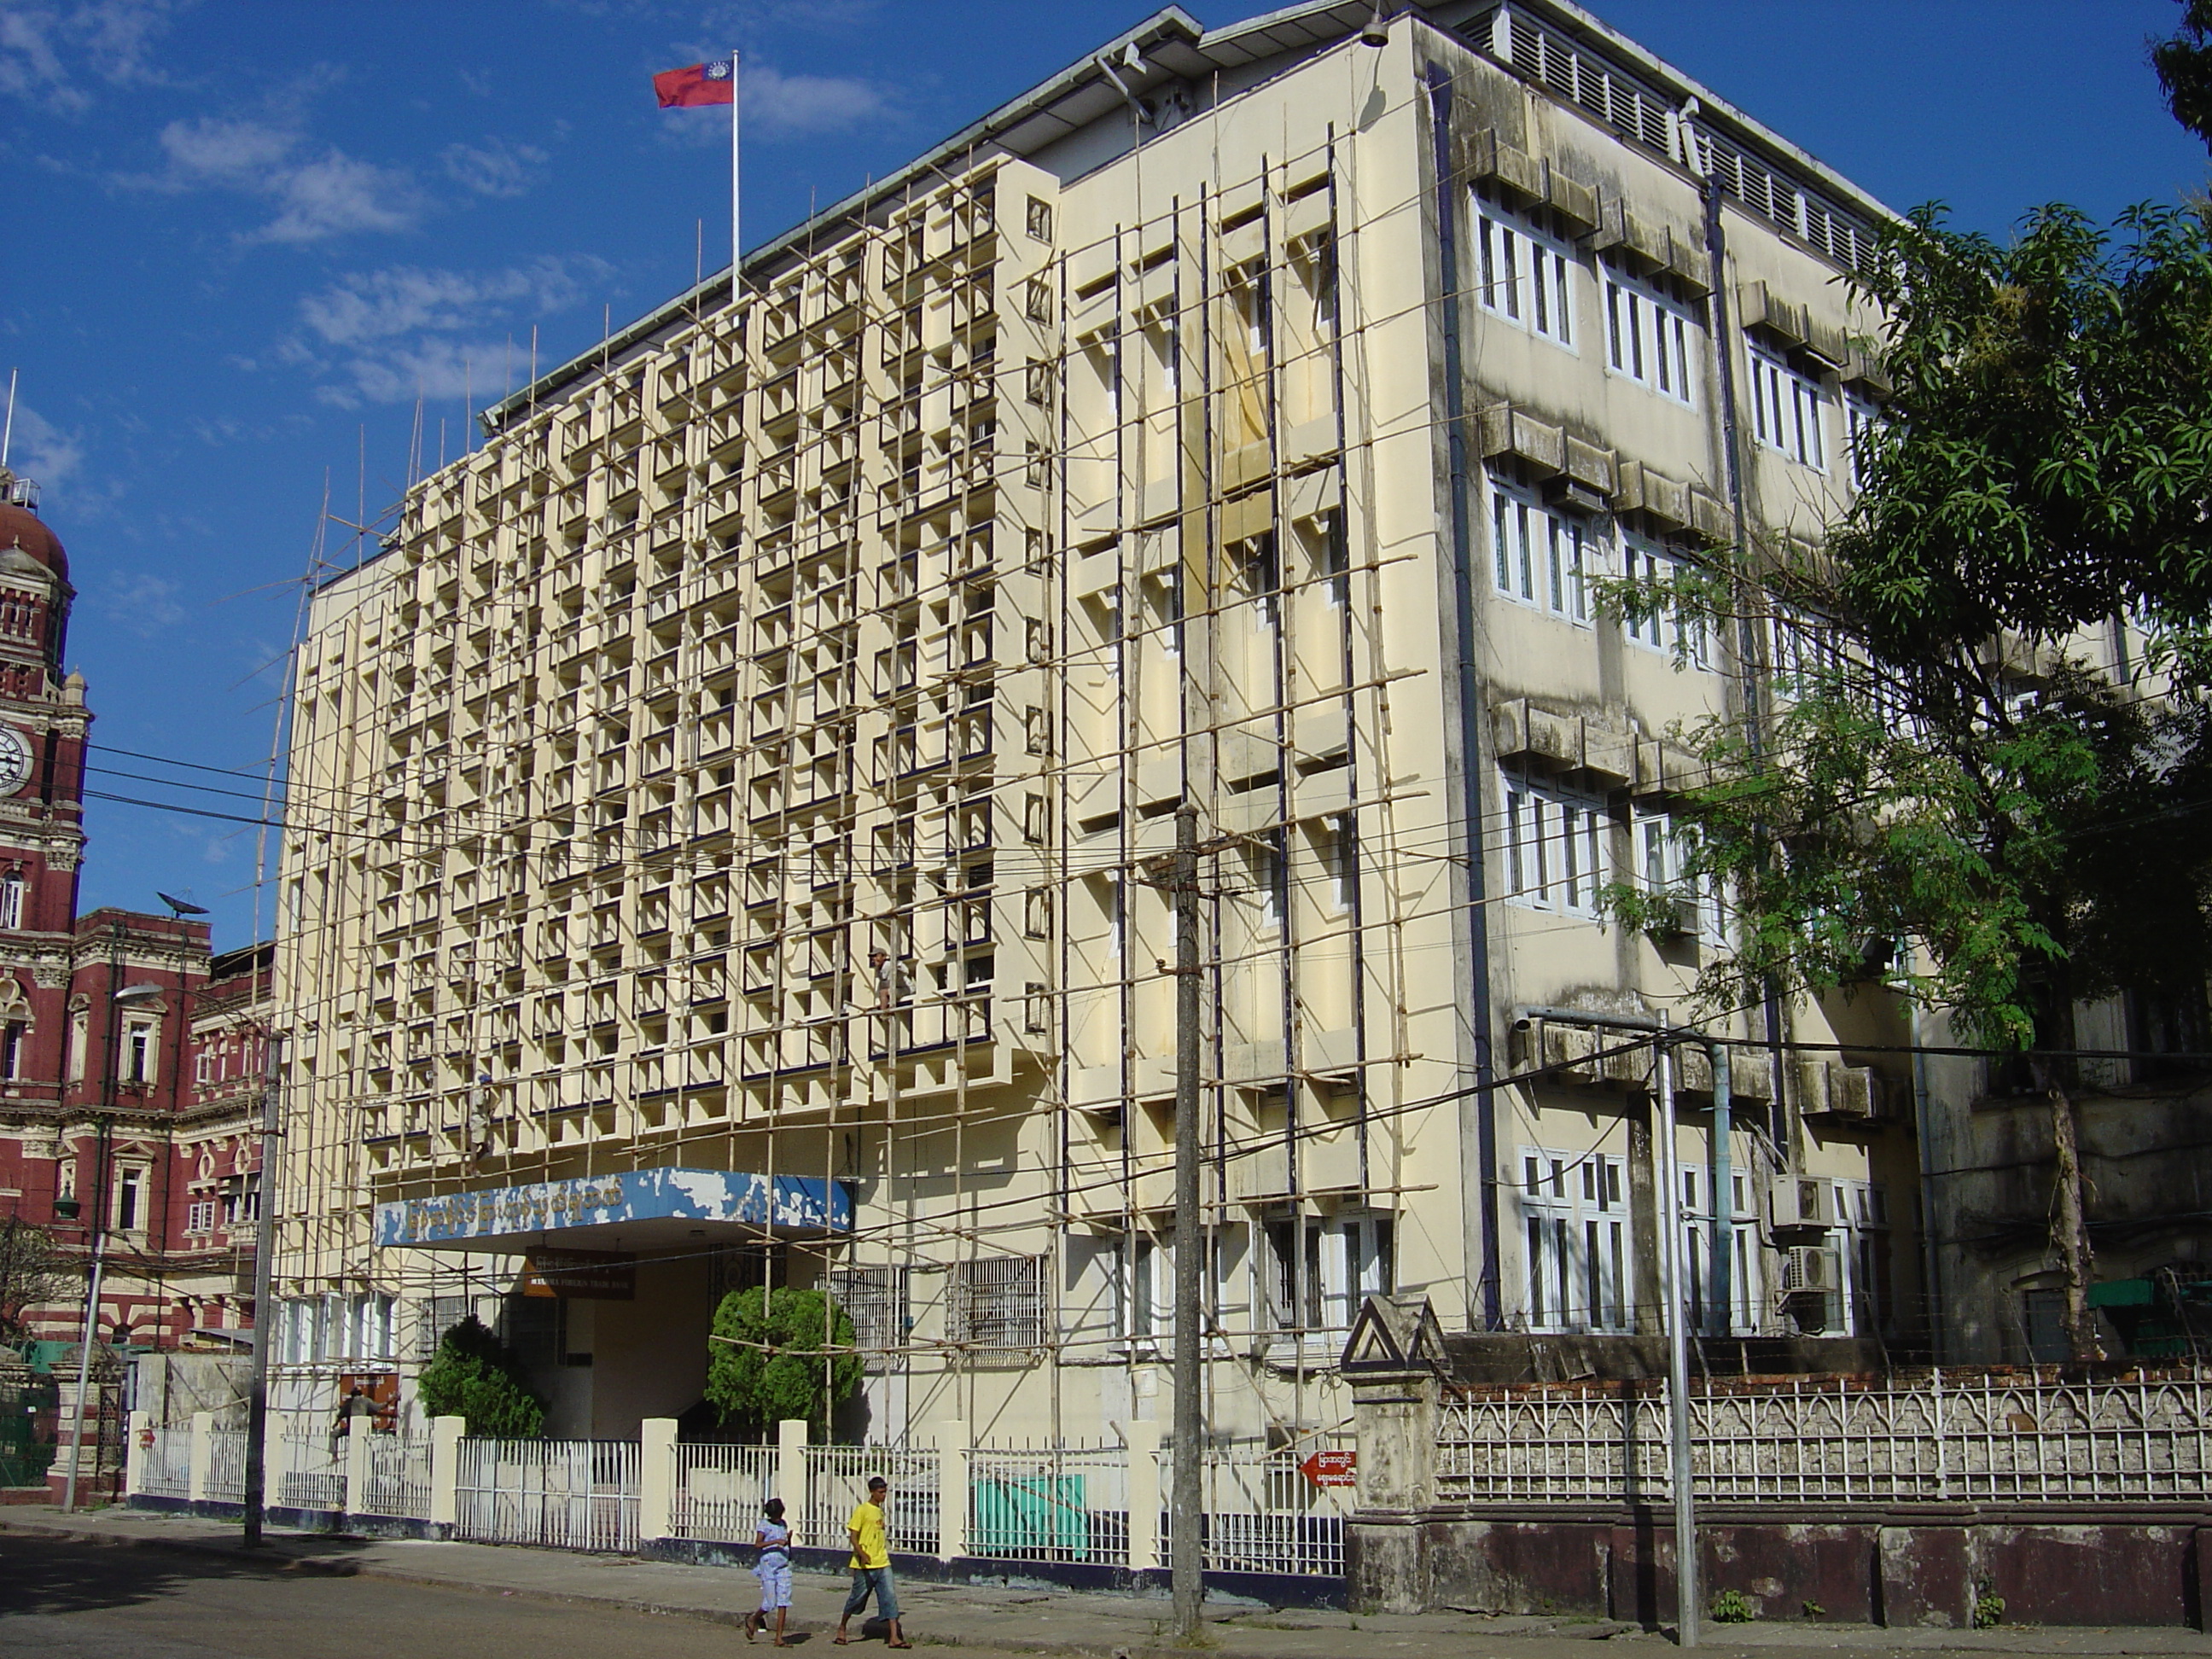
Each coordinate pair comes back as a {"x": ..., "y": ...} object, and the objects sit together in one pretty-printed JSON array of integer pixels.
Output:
[{"x": 179, "y": 905}]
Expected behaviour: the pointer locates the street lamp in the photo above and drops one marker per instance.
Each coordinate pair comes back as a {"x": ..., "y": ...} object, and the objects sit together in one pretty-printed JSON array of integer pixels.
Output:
[{"x": 116, "y": 1001}]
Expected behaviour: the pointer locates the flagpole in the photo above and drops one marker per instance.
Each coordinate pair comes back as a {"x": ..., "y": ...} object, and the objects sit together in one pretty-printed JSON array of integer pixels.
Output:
[
  {"x": 735, "y": 241},
  {"x": 737, "y": 245}
]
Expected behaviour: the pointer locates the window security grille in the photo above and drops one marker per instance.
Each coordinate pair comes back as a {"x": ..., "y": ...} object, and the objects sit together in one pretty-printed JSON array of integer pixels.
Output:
[
  {"x": 996, "y": 1303},
  {"x": 875, "y": 1299},
  {"x": 1524, "y": 275}
]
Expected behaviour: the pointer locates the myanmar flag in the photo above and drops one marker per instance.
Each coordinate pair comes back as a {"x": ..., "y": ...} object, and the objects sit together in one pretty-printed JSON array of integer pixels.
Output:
[{"x": 702, "y": 83}]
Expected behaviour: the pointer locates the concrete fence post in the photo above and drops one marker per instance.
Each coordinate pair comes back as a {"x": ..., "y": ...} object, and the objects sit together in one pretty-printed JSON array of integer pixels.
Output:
[
  {"x": 356, "y": 1496},
  {"x": 202, "y": 1465},
  {"x": 791, "y": 1467},
  {"x": 137, "y": 1454},
  {"x": 1142, "y": 1441},
  {"x": 446, "y": 1434},
  {"x": 951, "y": 1437},
  {"x": 656, "y": 1479}
]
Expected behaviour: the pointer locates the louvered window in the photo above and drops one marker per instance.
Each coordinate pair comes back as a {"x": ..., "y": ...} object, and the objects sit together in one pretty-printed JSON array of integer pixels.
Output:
[
  {"x": 1524, "y": 274},
  {"x": 1787, "y": 411},
  {"x": 1585, "y": 79},
  {"x": 1541, "y": 556},
  {"x": 1555, "y": 848},
  {"x": 1647, "y": 335}
]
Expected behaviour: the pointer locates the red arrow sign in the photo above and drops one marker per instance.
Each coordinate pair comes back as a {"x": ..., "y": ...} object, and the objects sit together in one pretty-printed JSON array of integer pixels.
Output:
[{"x": 1331, "y": 1468}]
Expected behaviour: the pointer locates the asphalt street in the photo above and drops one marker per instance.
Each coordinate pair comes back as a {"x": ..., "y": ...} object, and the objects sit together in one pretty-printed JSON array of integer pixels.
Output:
[{"x": 114, "y": 1601}]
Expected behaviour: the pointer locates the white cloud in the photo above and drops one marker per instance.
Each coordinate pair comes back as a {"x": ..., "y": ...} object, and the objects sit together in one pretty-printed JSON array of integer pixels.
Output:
[
  {"x": 40, "y": 450},
  {"x": 781, "y": 103},
  {"x": 495, "y": 167},
  {"x": 387, "y": 336},
  {"x": 141, "y": 601},
  {"x": 48, "y": 51},
  {"x": 316, "y": 196}
]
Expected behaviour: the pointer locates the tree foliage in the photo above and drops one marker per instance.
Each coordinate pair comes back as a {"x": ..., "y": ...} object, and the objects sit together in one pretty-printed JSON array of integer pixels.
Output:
[
  {"x": 1964, "y": 765},
  {"x": 1975, "y": 784},
  {"x": 476, "y": 1375},
  {"x": 2183, "y": 62},
  {"x": 782, "y": 1353},
  {"x": 34, "y": 1271}
]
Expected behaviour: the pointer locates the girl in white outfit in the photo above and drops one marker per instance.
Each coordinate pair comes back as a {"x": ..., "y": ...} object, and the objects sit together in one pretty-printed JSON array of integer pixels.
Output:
[{"x": 773, "y": 1569}]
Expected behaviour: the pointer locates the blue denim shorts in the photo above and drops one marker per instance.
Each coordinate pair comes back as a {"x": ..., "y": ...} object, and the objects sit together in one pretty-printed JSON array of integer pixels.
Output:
[{"x": 878, "y": 1581}]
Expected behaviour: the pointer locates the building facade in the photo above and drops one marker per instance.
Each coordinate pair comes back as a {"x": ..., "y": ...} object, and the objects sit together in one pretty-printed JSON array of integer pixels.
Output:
[
  {"x": 104, "y": 1016},
  {"x": 753, "y": 767}
]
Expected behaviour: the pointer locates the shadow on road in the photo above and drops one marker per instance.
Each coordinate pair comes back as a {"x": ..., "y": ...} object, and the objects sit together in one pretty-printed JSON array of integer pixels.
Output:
[{"x": 45, "y": 1575}]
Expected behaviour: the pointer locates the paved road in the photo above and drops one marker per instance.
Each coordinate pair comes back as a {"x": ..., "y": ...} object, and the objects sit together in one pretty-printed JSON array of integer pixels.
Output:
[{"x": 65, "y": 1600}]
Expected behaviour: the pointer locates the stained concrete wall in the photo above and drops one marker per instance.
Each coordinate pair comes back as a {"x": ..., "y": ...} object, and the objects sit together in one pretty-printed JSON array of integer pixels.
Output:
[{"x": 2118, "y": 1564}]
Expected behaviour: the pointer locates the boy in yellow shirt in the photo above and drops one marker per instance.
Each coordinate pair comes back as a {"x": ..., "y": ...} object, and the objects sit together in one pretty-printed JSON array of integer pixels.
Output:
[{"x": 872, "y": 1565}]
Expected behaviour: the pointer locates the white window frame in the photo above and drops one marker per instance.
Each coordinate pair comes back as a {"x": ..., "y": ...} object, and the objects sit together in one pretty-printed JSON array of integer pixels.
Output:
[
  {"x": 1860, "y": 415},
  {"x": 1541, "y": 556},
  {"x": 141, "y": 1042},
  {"x": 1579, "y": 1247},
  {"x": 1647, "y": 335},
  {"x": 131, "y": 1184},
  {"x": 12, "y": 888},
  {"x": 1656, "y": 565},
  {"x": 1787, "y": 410},
  {"x": 1346, "y": 1258},
  {"x": 1556, "y": 846},
  {"x": 1746, "y": 1295},
  {"x": 1524, "y": 275},
  {"x": 1658, "y": 842}
]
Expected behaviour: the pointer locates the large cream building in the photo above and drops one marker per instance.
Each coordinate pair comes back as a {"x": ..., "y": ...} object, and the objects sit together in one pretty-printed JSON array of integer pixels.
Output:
[{"x": 1255, "y": 418}]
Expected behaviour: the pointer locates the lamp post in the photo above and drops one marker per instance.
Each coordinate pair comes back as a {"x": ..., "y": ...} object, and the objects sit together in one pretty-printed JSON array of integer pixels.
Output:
[{"x": 116, "y": 1000}]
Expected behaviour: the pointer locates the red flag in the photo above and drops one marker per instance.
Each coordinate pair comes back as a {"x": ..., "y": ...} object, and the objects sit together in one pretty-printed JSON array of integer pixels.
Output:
[{"x": 701, "y": 83}]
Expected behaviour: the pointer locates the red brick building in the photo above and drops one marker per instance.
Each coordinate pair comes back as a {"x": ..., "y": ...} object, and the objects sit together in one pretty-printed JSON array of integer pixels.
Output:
[{"x": 131, "y": 1060}]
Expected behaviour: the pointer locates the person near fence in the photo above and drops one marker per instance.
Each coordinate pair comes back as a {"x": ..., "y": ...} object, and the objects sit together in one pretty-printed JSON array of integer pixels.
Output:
[
  {"x": 872, "y": 1566},
  {"x": 773, "y": 1568}
]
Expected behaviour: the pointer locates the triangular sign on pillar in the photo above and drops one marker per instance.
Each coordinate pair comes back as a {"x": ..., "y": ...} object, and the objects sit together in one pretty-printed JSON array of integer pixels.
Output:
[{"x": 1394, "y": 1334}]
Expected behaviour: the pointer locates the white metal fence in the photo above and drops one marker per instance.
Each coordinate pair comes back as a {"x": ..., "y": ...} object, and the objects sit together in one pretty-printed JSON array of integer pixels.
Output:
[
  {"x": 719, "y": 1491},
  {"x": 226, "y": 1465},
  {"x": 1262, "y": 1515},
  {"x": 1049, "y": 1503},
  {"x": 164, "y": 1468},
  {"x": 2020, "y": 1439},
  {"x": 836, "y": 1480},
  {"x": 312, "y": 1475},
  {"x": 399, "y": 1478},
  {"x": 567, "y": 1494}
]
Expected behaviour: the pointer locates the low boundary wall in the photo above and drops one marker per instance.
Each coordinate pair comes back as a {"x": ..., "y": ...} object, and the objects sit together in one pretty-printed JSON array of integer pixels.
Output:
[{"x": 2111, "y": 1563}]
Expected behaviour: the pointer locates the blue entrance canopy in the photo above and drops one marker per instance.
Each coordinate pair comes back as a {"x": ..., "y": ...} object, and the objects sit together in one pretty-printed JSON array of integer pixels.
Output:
[{"x": 634, "y": 1205}]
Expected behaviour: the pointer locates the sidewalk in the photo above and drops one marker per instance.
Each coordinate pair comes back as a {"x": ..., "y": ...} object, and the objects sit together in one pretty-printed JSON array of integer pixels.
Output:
[{"x": 1046, "y": 1621}]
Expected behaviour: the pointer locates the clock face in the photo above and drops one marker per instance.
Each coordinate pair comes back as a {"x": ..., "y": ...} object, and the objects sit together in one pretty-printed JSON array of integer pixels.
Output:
[{"x": 15, "y": 760}]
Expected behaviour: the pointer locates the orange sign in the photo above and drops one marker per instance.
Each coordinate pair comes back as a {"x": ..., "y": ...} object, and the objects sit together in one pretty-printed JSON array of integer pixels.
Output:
[
  {"x": 1331, "y": 1468},
  {"x": 595, "y": 1275}
]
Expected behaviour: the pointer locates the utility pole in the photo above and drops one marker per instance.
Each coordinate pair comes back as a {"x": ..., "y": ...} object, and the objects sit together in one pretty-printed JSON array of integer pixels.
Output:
[
  {"x": 265, "y": 1306},
  {"x": 1186, "y": 1562},
  {"x": 1678, "y": 1352}
]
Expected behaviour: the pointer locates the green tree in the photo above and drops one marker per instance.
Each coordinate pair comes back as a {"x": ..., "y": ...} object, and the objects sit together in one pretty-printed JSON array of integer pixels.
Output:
[
  {"x": 476, "y": 1375},
  {"x": 2183, "y": 62},
  {"x": 784, "y": 1353},
  {"x": 1970, "y": 770}
]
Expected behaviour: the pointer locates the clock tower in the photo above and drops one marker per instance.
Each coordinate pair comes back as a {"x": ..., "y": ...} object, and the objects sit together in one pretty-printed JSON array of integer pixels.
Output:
[{"x": 43, "y": 723}]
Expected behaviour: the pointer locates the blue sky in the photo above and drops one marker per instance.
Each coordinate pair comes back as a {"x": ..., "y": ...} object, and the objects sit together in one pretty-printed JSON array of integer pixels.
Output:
[{"x": 240, "y": 235}]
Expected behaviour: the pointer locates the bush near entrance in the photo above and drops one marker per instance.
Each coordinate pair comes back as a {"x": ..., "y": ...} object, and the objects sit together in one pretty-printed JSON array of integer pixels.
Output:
[{"x": 778, "y": 1354}]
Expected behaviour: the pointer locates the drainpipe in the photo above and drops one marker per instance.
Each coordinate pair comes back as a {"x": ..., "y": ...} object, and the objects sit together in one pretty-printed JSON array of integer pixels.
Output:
[
  {"x": 1469, "y": 698},
  {"x": 1720, "y": 1321},
  {"x": 1931, "y": 1270}
]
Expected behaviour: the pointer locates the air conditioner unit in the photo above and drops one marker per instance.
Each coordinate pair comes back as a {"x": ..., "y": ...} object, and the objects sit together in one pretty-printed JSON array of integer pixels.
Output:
[
  {"x": 1808, "y": 1268},
  {"x": 1798, "y": 1204}
]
